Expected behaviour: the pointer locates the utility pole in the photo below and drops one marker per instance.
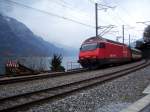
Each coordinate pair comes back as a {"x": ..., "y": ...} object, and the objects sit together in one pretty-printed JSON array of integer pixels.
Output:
[
  {"x": 123, "y": 34},
  {"x": 129, "y": 40},
  {"x": 96, "y": 18},
  {"x": 100, "y": 7}
]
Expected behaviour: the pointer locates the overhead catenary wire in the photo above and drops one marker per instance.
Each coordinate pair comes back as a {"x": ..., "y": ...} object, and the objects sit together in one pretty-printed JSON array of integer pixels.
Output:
[
  {"x": 118, "y": 17},
  {"x": 125, "y": 10},
  {"x": 50, "y": 13},
  {"x": 63, "y": 1},
  {"x": 70, "y": 7},
  {"x": 116, "y": 13},
  {"x": 62, "y": 4},
  {"x": 128, "y": 14}
]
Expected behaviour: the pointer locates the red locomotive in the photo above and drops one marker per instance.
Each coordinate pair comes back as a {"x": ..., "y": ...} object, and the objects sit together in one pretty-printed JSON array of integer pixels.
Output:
[{"x": 97, "y": 51}]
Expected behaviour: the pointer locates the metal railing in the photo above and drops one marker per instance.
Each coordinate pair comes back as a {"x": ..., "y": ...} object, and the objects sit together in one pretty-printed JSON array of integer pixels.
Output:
[{"x": 73, "y": 65}]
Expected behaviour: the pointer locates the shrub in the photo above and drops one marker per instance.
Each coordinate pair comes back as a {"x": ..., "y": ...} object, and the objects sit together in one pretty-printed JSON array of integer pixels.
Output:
[{"x": 56, "y": 63}]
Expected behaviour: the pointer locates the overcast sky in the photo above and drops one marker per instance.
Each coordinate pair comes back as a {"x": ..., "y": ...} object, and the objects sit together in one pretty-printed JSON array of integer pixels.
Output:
[{"x": 65, "y": 32}]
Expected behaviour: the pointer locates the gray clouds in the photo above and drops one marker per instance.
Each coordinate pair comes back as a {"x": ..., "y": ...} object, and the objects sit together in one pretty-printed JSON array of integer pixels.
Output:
[
  {"x": 69, "y": 33},
  {"x": 50, "y": 28}
]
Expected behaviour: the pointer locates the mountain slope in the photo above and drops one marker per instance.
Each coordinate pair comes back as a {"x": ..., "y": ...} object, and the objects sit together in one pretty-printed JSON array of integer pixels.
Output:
[{"x": 17, "y": 40}]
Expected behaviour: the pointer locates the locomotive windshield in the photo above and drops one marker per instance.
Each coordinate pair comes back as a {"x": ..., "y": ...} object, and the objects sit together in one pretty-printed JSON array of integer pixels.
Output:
[{"x": 87, "y": 47}]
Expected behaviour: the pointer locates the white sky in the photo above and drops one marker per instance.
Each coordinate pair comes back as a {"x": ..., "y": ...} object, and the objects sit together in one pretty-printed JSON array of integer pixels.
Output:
[{"x": 60, "y": 31}]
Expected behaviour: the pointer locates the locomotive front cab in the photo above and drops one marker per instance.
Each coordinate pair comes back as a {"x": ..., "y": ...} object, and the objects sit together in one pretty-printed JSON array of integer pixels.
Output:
[
  {"x": 90, "y": 53},
  {"x": 90, "y": 50},
  {"x": 89, "y": 47}
]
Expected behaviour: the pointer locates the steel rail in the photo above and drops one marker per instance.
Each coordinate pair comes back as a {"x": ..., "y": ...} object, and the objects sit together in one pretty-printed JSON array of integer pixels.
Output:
[
  {"x": 38, "y": 76},
  {"x": 18, "y": 79},
  {"x": 62, "y": 90}
]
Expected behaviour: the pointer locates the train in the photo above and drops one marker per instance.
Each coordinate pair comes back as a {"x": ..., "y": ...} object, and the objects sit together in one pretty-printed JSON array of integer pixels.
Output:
[
  {"x": 146, "y": 34},
  {"x": 97, "y": 51}
]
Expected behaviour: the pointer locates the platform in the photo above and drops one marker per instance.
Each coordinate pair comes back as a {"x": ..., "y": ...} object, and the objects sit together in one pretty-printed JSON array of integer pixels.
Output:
[
  {"x": 147, "y": 90},
  {"x": 142, "y": 105}
]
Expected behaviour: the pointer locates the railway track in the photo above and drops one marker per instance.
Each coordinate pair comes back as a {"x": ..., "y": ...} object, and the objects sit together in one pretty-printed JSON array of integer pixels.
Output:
[
  {"x": 26, "y": 100},
  {"x": 8, "y": 80},
  {"x": 17, "y": 79}
]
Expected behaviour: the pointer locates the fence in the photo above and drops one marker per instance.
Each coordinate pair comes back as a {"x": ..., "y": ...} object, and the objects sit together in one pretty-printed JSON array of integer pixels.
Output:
[{"x": 73, "y": 65}]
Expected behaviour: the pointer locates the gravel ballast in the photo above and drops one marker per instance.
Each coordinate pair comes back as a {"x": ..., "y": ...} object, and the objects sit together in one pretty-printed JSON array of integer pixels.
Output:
[
  {"x": 108, "y": 97},
  {"x": 35, "y": 85}
]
